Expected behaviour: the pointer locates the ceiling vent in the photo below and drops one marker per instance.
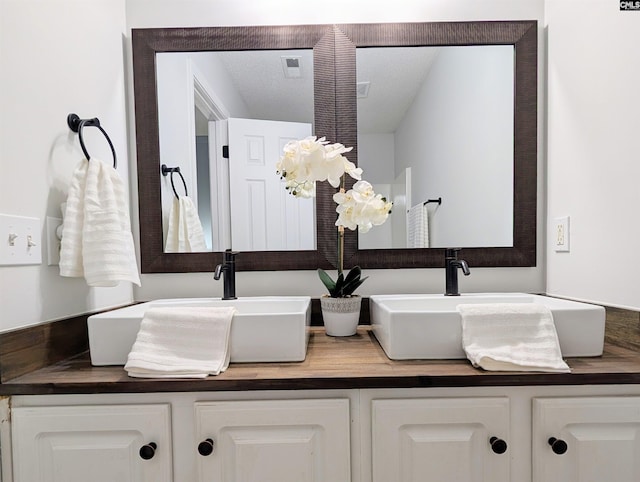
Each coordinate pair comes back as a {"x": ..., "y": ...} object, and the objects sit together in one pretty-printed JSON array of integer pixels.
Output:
[
  {"x": 292, "y": 67},
  {"x": 362, "y": 88}
]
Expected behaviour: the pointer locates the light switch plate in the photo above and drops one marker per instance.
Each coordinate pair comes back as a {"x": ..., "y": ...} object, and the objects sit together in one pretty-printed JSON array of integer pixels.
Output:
[
  {"x": 20, "y": 240},
  {"x": 561, "y": 234}
]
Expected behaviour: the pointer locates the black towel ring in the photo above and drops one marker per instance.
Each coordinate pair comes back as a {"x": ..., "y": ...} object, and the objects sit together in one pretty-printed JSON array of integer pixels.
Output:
[
  {"x": 166, "y": 170},
  {"x": 76, "y": 124}
]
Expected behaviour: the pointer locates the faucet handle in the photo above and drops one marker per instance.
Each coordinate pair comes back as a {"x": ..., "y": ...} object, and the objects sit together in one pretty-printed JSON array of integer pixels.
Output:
[
  {"x": 451, "y": 253},
  {"x": 230, "y": 255}
]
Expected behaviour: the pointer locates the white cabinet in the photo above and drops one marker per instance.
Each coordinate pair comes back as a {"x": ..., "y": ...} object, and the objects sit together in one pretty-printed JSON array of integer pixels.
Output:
[
  {"x": 123, "y": 443},
  {"x": 273, "y": 440},
  {"x": 440, "y": 439},
  {"x": 358, "y": 435},
  {"x": 185, "y": 437},
  {"x": 586, "y": 439}
]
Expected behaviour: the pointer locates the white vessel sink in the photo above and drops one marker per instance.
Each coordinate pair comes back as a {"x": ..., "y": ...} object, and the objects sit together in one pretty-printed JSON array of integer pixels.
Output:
[
  {"x": 429, "y": 326},
  {"x": 264, "y": 329}
]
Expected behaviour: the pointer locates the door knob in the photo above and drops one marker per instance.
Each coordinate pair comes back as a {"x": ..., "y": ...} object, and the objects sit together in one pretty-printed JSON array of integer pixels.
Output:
[
  {"x": 558, "y": 446},
  {"x": 148, "y": 451},
  {"x": 498, "y": 445},
  {"x": 205, "y": 447}
]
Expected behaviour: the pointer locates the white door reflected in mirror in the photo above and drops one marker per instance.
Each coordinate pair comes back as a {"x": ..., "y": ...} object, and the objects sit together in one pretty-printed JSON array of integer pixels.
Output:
[{"x": 264, "y": 216}]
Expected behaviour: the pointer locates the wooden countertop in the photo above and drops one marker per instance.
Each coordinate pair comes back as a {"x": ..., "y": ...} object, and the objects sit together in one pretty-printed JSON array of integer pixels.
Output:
[{"x": 339, "y": 363}]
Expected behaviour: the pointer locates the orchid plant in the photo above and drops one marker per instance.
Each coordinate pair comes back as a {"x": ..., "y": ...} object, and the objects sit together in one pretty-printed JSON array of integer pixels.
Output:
[{"x": 310, "y": 160}]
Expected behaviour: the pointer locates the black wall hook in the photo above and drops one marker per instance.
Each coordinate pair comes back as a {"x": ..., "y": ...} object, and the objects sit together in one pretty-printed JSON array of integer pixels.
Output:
[
  {"x": 428, "y": 201},
  {"x": 166, "y": 170},
  {"x": 76, "y": 124}
]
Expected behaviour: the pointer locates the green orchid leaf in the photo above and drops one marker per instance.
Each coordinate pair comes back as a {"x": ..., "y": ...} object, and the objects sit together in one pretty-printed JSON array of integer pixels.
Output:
[
  {"x": 350, "y": 288},
  {"x": 342, "y": 286},
  {"x": 353, "y": 274},
  {"x": 326, "y": 280},
  {"x": 337, "y": 293}
]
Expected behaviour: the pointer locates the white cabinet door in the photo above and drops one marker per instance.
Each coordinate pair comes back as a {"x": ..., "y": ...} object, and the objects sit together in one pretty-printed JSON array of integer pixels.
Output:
[
  {"x": 440, "y": 439},
  {"x": 92, "y": 443},
  {"x": 275, "y": 440},
  {"x": 591, "y": 439}
]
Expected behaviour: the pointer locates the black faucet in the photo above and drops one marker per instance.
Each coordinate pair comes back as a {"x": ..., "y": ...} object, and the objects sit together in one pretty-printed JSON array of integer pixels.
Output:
[
  {"x": 228, "y": 269},
  {"x": 452, "y": 263}
]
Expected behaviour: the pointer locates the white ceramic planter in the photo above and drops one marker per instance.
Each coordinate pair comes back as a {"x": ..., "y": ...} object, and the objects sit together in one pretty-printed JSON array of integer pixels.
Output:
[{"x": 341, "y": 315}]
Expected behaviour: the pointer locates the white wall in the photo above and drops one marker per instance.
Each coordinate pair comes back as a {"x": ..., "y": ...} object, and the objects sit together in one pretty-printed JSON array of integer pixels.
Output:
[
  {"x": 594, "y": 150},
  {"x": 459, "y": 129},
  {"x": 56, "y": 57},
  {"x": 376, "y": 157},
  {"x": 164, "y": 13}
]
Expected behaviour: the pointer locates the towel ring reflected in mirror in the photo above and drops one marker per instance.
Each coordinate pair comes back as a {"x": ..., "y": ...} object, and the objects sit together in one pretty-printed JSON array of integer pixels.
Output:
[
  {"x": 76, "y": 124},
  {"x": 166, "y": 170}
]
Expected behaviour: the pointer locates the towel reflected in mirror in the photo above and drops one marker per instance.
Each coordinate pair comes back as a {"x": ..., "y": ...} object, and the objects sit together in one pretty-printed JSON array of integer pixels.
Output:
[{"x": 184, "y": 234}]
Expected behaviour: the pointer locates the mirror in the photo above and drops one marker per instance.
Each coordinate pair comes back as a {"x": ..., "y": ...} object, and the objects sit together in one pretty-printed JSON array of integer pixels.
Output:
[
  {"x": 336, "y": 117},
  {"x": 435, "y": 135},
  {"x": 147, "y": 45},
  {"x": 254, "y": 102},
  {"x": 521, "y": 36}
]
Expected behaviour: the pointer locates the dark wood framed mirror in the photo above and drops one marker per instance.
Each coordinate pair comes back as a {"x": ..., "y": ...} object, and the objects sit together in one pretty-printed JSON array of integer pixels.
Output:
[
  {"x": 146, "y": 44},
  {"x": 335, "y": 117},
  {"x": 522, "y": 35}
]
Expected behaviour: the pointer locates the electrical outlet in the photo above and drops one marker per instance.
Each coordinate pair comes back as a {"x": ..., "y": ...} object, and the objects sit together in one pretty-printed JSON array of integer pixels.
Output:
[
  {"x": 561, "y": 234},
  {"x": 53, "y": 241},
  {"x": 19, "y": 240}
]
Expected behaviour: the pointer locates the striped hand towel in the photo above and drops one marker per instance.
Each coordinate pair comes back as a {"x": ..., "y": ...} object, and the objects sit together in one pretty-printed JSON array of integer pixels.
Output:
[
  {"x": 418, "y": 227},
  {"x": 185, "y": 233},
  {"x": 97, "y": 243},
  {"x": 180, "y": 342},
  {"x": 511, "y": 336}
]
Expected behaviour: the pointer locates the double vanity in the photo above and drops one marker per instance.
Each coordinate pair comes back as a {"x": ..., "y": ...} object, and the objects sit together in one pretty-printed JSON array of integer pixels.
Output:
[{"x": 345, "y": 412}]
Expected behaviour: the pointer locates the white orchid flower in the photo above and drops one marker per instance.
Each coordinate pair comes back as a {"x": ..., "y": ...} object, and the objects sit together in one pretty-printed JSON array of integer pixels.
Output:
[
  {"x": 310, "y": 160},
  {"x": 361, "y": 208}
]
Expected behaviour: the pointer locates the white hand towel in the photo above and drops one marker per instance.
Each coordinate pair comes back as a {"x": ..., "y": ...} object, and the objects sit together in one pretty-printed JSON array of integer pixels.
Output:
[
  {"x": 511, "y": 336},
  {"x": 96, "y": 234},
  {"x": 181, "y": 343},
  {"x": 185, "y": 233},
  {"x": 418, "y": 227}
]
